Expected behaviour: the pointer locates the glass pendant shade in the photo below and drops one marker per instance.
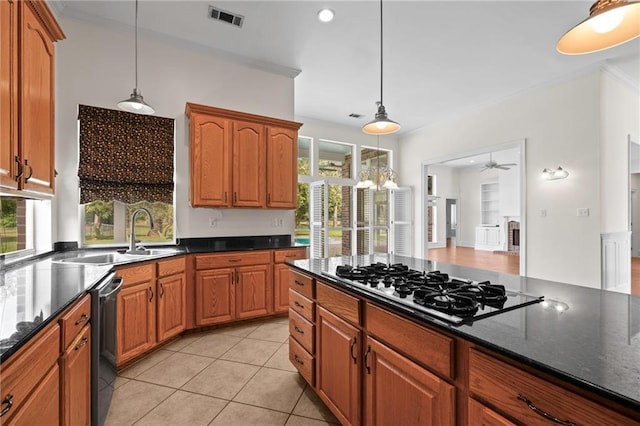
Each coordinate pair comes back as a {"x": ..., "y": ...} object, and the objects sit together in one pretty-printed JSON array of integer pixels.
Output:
[
  {"x": 381, "y": 125},
  {"x": 611, "y": 23},
  {"x": 136, "y": 104}
]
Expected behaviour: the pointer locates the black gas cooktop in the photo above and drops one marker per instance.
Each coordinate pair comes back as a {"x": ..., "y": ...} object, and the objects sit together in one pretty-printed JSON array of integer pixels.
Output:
[{"x": 456, "y": 300}]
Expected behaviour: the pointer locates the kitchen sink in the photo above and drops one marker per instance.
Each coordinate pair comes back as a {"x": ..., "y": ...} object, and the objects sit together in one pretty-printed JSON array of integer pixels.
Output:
[{"x": 115, "y": 258}]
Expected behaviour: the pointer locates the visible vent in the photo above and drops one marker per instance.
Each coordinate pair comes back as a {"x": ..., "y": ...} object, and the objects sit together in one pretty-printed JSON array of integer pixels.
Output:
[
  {"x": 354, "y": 115},
  {"x": 225, "y": 16}
]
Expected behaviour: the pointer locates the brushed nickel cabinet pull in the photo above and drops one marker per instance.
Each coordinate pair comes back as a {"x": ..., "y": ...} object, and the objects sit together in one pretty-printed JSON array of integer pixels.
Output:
[{"x": 543, "y": 413}]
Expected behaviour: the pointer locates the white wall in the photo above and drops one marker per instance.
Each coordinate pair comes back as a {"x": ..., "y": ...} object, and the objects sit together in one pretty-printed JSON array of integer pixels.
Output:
[
  {"x": 561, "y": 125},
  {"x": 94, "y": 66}
]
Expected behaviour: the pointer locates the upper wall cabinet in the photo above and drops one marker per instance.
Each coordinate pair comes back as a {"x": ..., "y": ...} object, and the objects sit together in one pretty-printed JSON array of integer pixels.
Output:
[
  {"x": 27, "y": 84},
  {"x": 241, "y": 160}
]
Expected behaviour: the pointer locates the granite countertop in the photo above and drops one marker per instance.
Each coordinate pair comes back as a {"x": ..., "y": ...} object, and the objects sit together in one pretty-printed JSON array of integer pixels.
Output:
[
  {"x": 33, "y": 292},
  {"x": 594, "y": 344}
]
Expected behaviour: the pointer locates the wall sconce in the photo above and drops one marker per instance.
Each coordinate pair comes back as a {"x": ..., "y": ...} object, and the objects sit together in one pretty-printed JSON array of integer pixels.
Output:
[{"x": 550, "y": 174}]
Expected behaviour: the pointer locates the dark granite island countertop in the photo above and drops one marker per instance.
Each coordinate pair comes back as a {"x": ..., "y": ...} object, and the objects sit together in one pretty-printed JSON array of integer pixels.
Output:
[{"x": 594, "y": 344}]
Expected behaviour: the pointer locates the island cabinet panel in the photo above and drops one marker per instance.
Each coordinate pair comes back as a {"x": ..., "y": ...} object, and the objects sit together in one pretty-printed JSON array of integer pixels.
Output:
[
  {"x": 303, "y": 331},
  {"x": 215, "y": 296},
  {"x": 409, "y": 337},
  {"x": 338, "y": 366},
  {"x": 302, "y": 284},
  {"x": 74, "y": 320},
  {"x": 281, "y": 276},
  {"x": 253, "y": 291},
  {"x": 171, "y": 307},
  {"x": 479, "y": 415},
  {"x": 76, "y": 380},
  {"x": 399, "y": 391},
  {"x": 303, "y": 361},
  {"x": 282, "y": 170},
  {"x": 210, "y": 161},
  {"x": 300, "y": 304},
  {"x": 338, "y": 302},
  {"x": 42, "y": 407},
  {"x": 248, "y": 164},
  {"x": 136, "y": 327},
  {"x": 531, "y": 400}
]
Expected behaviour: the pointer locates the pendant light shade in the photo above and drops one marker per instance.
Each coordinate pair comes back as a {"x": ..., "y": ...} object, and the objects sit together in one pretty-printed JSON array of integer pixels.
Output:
[
  {"x": 135, "y": 103},
  {"x": 610, "y": 23},
  {"x": 381, "y": 124}
]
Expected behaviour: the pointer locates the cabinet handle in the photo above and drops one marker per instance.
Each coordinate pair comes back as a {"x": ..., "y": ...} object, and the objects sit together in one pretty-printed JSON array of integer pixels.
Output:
[
  {"x": 234, "y": 260},
  {"x": 298, "y": 360},
  {"x": 366, "y": 359},
  {"x": 295, "y": 327},
  {"x": 543, "y": 413},
  {"x": 299, "y": 283},
  {"x": 83, "y": 318},
  {"x": 161, "y": 289},
  {"x": 20, "y": 168},
  {"x": 26, "y": 164},
  {"x": 150, "y": 294},
  {"x": 8, "y": 401},
  {"x": 353, "y": 345},
  {"x": 298, "y": 304},
  {"x": 82, "y": 343}
]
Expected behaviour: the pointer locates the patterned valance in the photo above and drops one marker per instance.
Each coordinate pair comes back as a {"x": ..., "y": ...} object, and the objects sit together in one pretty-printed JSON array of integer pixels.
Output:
[{"x": 124, "y": 156}]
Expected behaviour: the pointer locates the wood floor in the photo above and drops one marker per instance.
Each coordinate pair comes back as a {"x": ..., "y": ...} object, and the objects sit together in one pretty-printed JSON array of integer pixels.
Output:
[{"x": 468, "y": 256}]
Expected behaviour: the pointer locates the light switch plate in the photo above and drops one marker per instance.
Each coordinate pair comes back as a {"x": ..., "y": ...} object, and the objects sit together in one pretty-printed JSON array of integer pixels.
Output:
[
  {"x": 582, "y": 212},
  {"x": 543, "y": 212}
]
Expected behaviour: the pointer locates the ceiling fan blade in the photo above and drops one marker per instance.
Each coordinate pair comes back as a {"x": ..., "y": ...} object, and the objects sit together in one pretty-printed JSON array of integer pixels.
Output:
[
  {"x": 501, "y": 167},
  {"x": 509, "y": 164}
]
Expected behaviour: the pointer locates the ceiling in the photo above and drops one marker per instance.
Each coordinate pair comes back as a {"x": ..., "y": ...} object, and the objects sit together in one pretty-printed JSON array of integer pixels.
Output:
[
  {"x": 511, "y": 155},
  {"x": 441, "y": 58}
]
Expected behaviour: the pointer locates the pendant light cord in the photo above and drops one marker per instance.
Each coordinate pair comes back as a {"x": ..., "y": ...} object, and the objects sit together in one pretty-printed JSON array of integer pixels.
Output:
[
  {"x": 381, "y": 61},
  {"x": 136, "y": 46}
]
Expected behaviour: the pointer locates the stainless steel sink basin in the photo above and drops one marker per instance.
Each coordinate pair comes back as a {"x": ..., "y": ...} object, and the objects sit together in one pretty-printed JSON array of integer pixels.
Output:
[{"x": 116, "y": 258}]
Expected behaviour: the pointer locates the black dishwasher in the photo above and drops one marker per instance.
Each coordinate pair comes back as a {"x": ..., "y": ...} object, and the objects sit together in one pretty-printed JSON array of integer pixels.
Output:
[{"x": 103, "y": 347}]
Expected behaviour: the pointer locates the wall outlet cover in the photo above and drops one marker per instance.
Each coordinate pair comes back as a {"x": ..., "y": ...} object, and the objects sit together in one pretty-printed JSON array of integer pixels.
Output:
[{"x": 582, "y": 212}]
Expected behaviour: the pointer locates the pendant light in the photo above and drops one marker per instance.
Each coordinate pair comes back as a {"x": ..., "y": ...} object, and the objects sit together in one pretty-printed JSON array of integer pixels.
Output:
[
  {"x": 610, "y": 23},
  {"x": 381, "y": 124},
  {"x": 136, "y": 103},
  {"x": 376, "y": 176}
]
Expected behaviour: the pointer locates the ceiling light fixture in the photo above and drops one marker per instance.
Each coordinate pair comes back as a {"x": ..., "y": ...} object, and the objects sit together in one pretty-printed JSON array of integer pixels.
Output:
[
  {"x": 381, "y": 124},
  {"x": 377, "y": 176},
  {"x": 325, "y": 15},
  {"x": 136, "y": 103},
  {"x": 610, "y": 23},
  {"x": 550, "y": 174}
]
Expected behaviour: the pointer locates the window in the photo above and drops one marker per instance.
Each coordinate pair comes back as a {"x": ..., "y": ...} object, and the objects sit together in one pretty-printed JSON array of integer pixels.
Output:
[
  {"x": 431, "y": 209},
  {"x": 126, "y": 162},
  {"x": 25, "y": 226}
]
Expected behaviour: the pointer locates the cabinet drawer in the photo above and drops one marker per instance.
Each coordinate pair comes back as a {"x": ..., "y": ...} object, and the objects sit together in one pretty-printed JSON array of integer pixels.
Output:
[
  {"x": 72, "y": 322},
  {"x": 281, "y": 256},
  {"x": 171, "y": 266},
  {"x": 479, "y": 415},
  {"x": 515, "y": 392},
  {"x": 303, "y": 361},
  {"x": 302, "y": 330},
  {"x": 301, "y": 283},
  {"x": 410, "y": 338},
  {"x": 301, "y": 305},
  {"x": 227, "y": 260},
  {"x": 25, "y": 369},
  {"x": 341, "y": 304},
  {"x": 136, "y": 274}
]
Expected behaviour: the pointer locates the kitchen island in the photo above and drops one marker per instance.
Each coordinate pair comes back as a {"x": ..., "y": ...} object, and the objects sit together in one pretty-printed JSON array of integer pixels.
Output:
[{"x": 580, "y": 342}]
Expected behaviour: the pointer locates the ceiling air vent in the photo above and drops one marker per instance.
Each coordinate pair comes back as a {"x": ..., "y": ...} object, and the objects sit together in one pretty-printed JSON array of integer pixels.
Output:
[
  {"x": 354, "y": 115},
  {"x": 224, "y": 16}
]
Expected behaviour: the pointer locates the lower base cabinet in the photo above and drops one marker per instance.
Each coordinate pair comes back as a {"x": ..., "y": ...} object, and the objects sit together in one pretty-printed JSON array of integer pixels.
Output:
[
  {"x": 171, "y": 308},
  {"x": 42, "y": 407},
  {"x": 479, "y": 415},
  {"x": 399, "y": 391},
  {"x": 136, "y": 321},
  {"x": 76, "y": 381}
]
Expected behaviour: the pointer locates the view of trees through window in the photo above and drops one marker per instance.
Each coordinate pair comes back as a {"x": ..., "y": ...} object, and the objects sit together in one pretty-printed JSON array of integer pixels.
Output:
[
  {"x": 9, "y": 225},
  {"x": 108, "y": 222}
]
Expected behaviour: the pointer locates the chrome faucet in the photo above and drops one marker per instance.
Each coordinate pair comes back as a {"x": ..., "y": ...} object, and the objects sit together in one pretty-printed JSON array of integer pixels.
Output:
[{"x": 132, "y": 242}]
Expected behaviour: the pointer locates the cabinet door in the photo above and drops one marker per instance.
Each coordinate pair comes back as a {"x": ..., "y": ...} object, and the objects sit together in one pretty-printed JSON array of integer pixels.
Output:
[
  {"x": 249, "y": 160},
  {"x": 280, "y": 287},
  {"x": 172, "y": 294},
  {"x": 8, "y": 93},
  {"x": 493, "y": 236},
  {"x": 36, "y": 106},
  {"x": 253, "y": 291},
  {"x": 479, "y": 415},
  {"x": 76, "y": 381},
  {"x": 338, "y": 366},
  {"x": 399, "y": 391},
  {"x": 282, "y": 170},
  {"x": 136, "y": 320},
  {"x": 210, "y": 161},
  {"x": 215, "y": 296},
  {"x": 42, "y": 408}
]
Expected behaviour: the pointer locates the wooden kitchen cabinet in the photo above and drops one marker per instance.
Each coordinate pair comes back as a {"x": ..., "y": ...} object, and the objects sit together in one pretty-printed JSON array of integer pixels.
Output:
[
  {"x": 215, "y": 296},
  {"x": 281, "y": 276},
  {"x": 338, "y": 366},
  {"x": 76, "y": 380},
  {"x": 399, "y": 391},
  {"x": 480, "y": 415},
  {"x": 136, "y": 326},
  {"x": 241, "y": 160},
  {"x": 282, "y": 168},
  {"x": 42, "y": 407},
  {"x": 171, "y": 314},
  {"x": 27, "y": 86},
  {"x": 253, "y": 291}
]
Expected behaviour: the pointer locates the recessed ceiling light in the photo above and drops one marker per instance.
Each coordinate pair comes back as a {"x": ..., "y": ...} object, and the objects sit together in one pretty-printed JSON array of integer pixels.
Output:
[
  {"x": 325, "y": 15},
  {"x": 472, "y": 161}
]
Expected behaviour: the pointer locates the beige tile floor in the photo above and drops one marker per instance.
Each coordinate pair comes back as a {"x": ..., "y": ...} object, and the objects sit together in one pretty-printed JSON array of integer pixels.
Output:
[{"x": 238, "y": 375}]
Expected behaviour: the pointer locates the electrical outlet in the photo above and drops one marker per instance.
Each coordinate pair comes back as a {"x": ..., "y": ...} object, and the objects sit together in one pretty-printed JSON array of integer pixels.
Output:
[
  {"x": 213, "y": 222},
  {"x": 582, "y": 212},
  {"x": 280, "y": 222},
  {"x": 543, "y": 212},
  {"x": 274, "y": 222}
]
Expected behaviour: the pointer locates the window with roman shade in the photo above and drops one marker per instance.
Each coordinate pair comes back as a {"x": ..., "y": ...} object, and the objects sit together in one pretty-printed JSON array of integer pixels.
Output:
[{"x": 125, "y": 157}]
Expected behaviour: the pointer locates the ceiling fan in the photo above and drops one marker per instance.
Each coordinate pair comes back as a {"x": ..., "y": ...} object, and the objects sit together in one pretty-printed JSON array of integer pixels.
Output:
[{"x": 494, "y": 165}]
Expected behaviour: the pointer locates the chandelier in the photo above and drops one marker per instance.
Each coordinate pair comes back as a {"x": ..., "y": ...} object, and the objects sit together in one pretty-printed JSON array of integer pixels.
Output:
[{"x": 377, "y": 176}]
